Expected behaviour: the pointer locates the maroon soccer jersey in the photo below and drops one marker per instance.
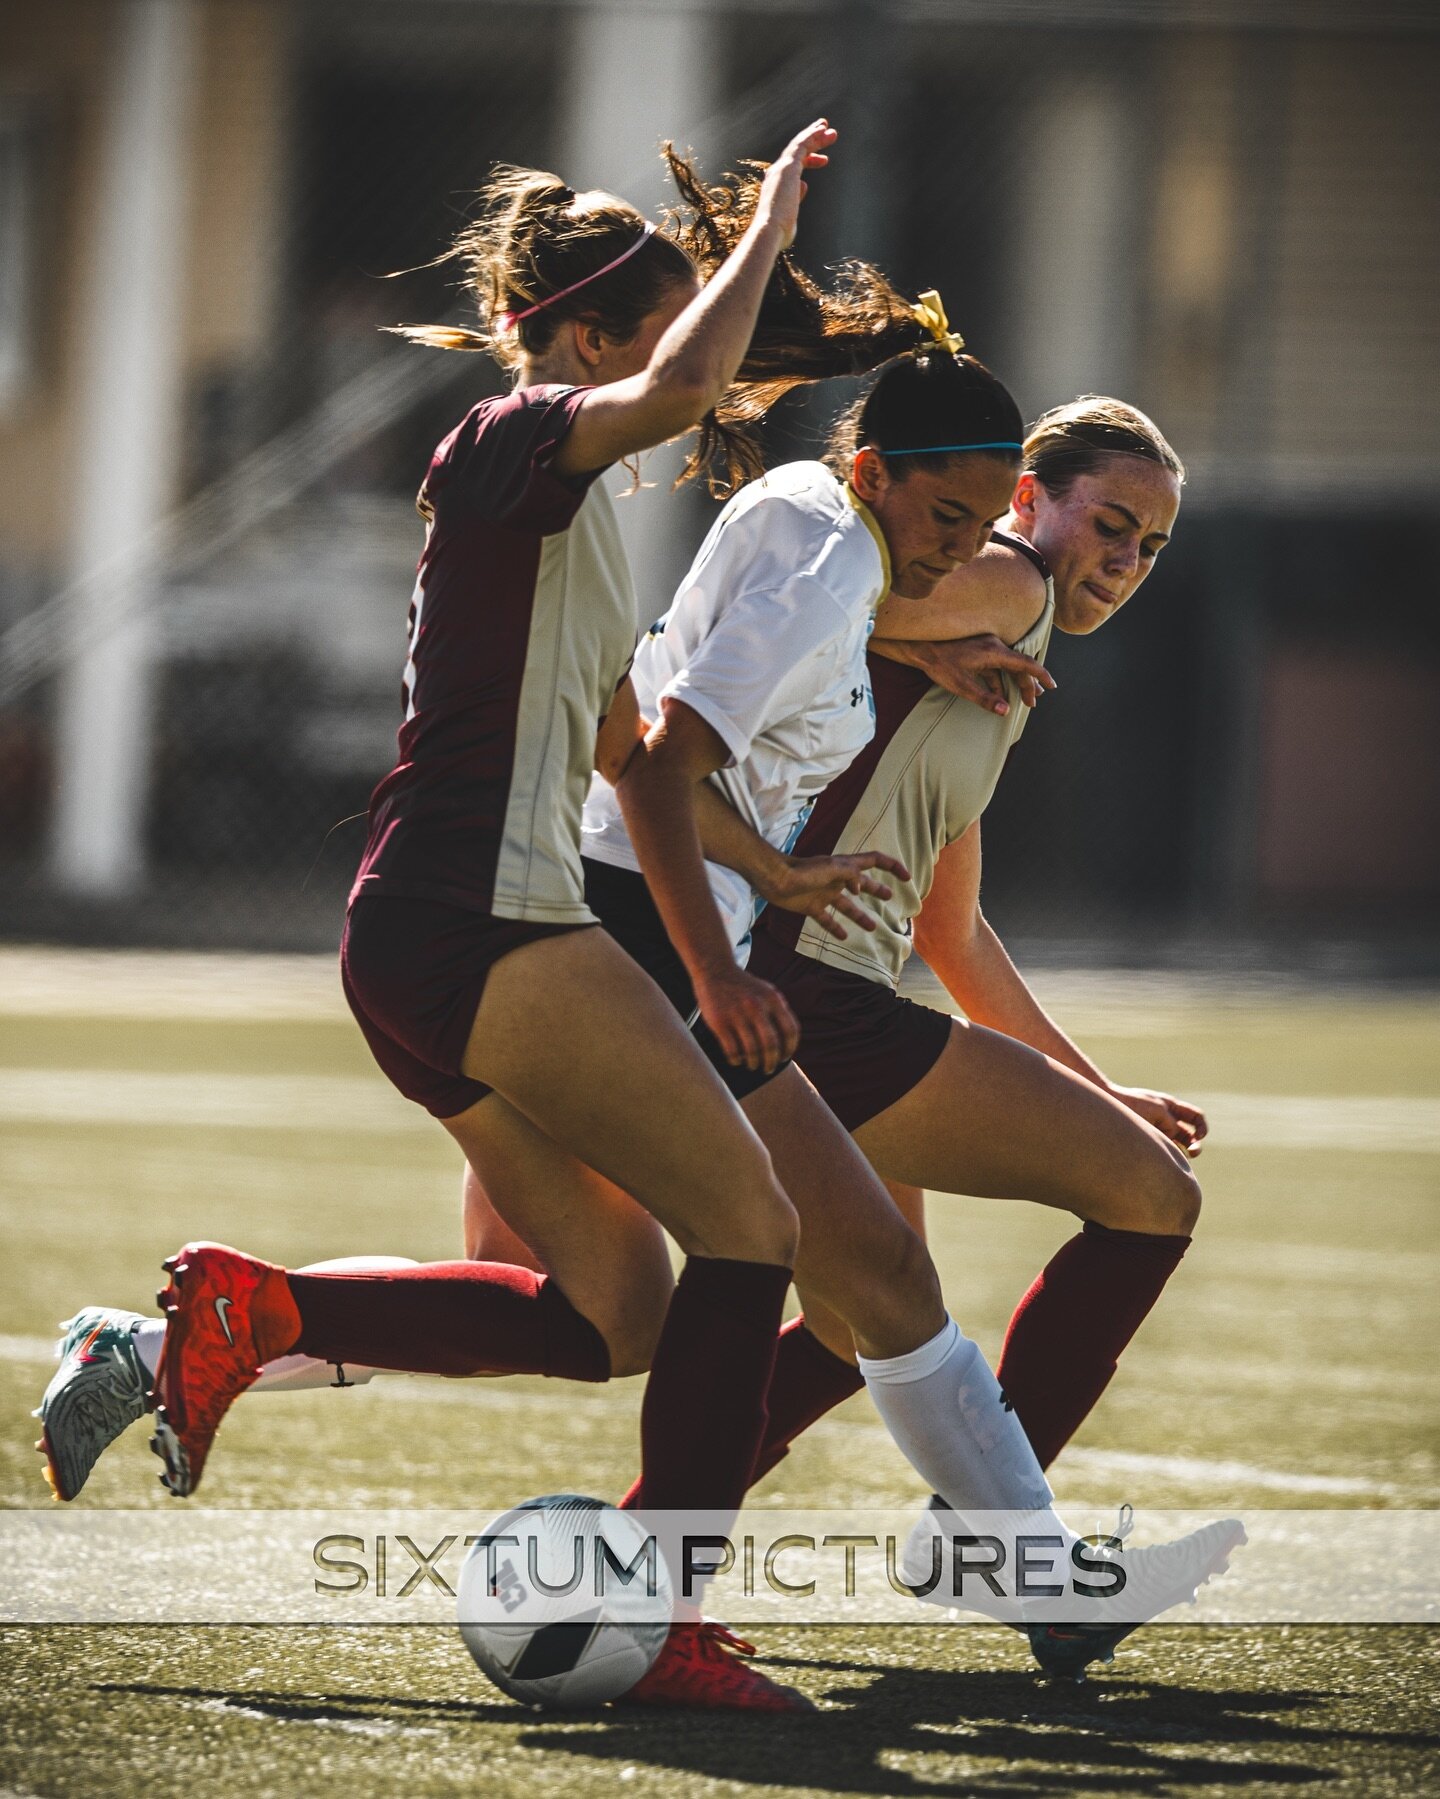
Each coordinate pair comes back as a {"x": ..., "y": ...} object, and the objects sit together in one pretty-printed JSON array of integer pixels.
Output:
[
  {"x": 919, "y": 784},
  {"x": 522, "y": 626}
]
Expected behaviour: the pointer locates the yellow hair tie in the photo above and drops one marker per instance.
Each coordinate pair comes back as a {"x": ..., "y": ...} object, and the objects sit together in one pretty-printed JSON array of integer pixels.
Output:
[{"x": 929, "y": 311}]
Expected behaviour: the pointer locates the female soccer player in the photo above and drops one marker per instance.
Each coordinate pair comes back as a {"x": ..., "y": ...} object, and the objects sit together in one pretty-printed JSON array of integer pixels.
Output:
[
  {"x": 1002, "y": 1104},
  {"x": 467, "y": 958}
]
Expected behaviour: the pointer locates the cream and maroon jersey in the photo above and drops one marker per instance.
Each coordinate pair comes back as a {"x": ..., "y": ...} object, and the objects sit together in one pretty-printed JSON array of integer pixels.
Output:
[
  {"x": 922, "y": 781},
  {"x": 765, "y": 640},
  {"x": 522, "y": 626}
]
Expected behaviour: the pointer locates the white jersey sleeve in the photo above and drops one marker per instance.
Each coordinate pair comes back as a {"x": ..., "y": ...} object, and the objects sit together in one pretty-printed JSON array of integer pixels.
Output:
[{"x": 758, "y": 647}]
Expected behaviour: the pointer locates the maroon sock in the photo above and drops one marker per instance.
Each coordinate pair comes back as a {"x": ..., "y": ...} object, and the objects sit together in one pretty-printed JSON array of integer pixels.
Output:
[
  {"x": 448, "y": 1318},
  {"x": 808, "y": 1382},
  {"x": 1069, "y": 1329},
  {"x": 704, "y": 1413}
]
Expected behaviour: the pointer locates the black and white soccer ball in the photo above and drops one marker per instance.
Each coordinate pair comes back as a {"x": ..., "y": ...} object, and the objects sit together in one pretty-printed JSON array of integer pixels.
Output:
[{"x": 564, "y": 1601}]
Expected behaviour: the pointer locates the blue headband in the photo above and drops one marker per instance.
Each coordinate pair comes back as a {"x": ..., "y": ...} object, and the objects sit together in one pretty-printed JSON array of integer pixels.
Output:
[{"x": 946, "y": 449}]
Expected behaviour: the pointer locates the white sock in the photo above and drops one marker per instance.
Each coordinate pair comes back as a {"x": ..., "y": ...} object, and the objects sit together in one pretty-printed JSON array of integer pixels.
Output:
[
  {"x": 943, "y": 1406},
  {"x": 289, "y": 1373},
  {"x": 148, "y": 1337}
]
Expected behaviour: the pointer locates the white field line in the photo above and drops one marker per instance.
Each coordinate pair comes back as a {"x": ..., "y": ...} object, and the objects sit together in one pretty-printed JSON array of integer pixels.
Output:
[
  {"x": 1081, "y": 1464},
  {"x": 367, "y": 1104},
  {"x": 43, "y": 981},
  {"x": 161, "y": 984}
]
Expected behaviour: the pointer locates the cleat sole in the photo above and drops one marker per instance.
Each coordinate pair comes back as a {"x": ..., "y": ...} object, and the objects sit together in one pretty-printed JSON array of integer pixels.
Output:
[{"x": 167, "y": 1445}]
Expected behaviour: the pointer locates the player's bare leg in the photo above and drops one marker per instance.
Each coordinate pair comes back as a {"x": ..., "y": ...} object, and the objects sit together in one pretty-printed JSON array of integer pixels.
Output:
[
  {"x": 554, "y": 1214},
  {"x": 998, "y": 1120},
  {"x": 585, "y": 1046},
  {"x": 858, "y": 1256}
]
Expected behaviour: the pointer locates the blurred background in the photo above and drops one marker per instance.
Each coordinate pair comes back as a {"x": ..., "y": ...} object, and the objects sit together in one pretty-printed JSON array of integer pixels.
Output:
[{"x": 1225, "y": 211}]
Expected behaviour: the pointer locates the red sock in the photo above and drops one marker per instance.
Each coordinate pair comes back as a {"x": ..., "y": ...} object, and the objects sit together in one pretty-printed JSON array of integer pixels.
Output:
[
  {"x": 808, "y": 1382},
  {"x": 1069, "y": 1329},
  {"x": 703, "y": 1419},
  {"x": 448, "y": 1318}
]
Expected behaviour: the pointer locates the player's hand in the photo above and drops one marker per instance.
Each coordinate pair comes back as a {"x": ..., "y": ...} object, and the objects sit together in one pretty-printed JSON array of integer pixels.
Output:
[
  {"x": 751, "y": 1019},
  {"x": 783, "y": 188},
  {"x": 822, "y": 887},
  {"x": 975, "y": 667},
  {"x": 1183, "y": 1124}
]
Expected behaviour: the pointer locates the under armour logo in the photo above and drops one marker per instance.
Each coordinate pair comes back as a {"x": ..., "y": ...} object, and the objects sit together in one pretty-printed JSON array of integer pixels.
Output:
[
  {"x": 1005, "y": 1401},
  {"x": 857, "y": 694}
]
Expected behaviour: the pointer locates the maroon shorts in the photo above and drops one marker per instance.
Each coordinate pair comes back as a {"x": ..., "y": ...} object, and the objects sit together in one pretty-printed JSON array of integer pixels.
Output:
[
  {"x": 413, "y": 971},
  {"x": 861, "y": 1044}
]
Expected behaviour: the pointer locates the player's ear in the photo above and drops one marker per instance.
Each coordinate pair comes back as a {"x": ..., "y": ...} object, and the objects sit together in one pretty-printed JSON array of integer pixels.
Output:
[
  {"x": 868, "y": 474},
  {"x": 1022, "y": 503},
  {"x": 589, "y": 342}
]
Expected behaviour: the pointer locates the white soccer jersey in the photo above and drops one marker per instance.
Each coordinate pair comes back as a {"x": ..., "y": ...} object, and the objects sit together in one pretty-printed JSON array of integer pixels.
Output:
[{"x": 765, "y": 640}]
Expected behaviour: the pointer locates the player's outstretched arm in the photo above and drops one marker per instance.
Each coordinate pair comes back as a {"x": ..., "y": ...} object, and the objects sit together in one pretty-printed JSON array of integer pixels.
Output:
[{"x": 699, "y": 355}]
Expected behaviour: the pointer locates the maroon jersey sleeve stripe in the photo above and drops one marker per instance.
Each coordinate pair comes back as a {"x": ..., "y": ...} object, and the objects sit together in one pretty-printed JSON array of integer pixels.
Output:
[
  {"x": 898, "y": 689},
  {"x": 497, "y": 465}
]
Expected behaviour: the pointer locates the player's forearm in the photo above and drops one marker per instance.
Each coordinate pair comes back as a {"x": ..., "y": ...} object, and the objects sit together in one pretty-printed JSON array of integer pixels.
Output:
[
  {"x": 703, "y": 349},
  {"x": 914, "y": 653},
  {"x": 730, "y": 840},
  {"x": 659, "y": 800},
  {"x": 979, "y": 975}
]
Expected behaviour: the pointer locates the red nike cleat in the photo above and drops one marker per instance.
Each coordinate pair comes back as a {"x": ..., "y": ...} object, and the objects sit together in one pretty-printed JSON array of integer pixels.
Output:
[
  {"x": 226, "y": 1315},
  {"x": 698, "y": 1667}
]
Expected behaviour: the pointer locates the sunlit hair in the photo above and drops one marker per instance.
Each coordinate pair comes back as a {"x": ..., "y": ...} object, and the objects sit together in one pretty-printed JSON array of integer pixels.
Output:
[
  {"x": 930, "y": 399},
  {"x": 1074, "y": 440},
  {"x": 534, "y": 237}
]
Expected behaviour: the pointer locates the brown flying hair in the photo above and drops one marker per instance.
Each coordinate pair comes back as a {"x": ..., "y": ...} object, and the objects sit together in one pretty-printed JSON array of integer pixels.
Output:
[
  {"x": 1073, "y": 440},
  {"x": 534, "y": 237}
]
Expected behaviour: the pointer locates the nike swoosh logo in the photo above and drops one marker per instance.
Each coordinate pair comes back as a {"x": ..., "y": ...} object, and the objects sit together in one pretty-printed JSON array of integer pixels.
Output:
[{"x": 222, "y": 1306}]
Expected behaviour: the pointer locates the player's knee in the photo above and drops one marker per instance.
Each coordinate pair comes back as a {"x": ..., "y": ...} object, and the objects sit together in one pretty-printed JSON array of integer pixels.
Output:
[
  {"x": 1170, "y": 1199},
  {"x": 773, "y": 1233},
  {"x": 632, "y": 1345},
  {"x": 747, "y": 1216},
  {"x": 1186, "y": 1203},
  {"x": 901, "y": 1285},
  {"x": 913, "y": 1270}
]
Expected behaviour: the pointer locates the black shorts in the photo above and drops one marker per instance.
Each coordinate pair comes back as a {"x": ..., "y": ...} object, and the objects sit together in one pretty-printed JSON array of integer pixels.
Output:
[
  {"x": 861, "y": 1044},
  {"x": 621, "y": 901},
  {"x": 413, "y": 971}
]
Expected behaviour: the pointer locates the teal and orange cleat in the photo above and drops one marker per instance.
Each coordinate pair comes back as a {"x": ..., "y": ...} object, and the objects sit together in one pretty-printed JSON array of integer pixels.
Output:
[
  {"x": 704, "y": 1666},
  {"x": 100, "y": 1388},
  {"x": 226, "y": 1314}
]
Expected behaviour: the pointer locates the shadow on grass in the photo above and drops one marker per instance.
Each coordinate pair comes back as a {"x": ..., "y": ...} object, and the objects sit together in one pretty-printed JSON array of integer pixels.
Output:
[{"x": 1138, "y": 1737}]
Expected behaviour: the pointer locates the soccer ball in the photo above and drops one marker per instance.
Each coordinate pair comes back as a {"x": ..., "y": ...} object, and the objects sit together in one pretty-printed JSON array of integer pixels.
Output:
[{"x": 564, "y": 1601}]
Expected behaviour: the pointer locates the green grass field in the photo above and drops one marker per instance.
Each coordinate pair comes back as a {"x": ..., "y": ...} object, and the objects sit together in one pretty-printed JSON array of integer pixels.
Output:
[{"x": 1291, "y": 1364}]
